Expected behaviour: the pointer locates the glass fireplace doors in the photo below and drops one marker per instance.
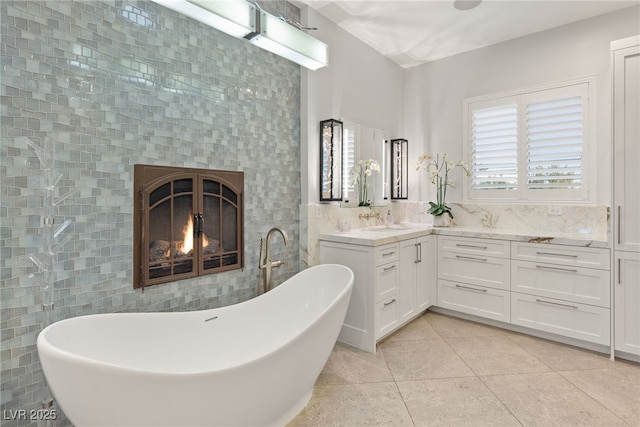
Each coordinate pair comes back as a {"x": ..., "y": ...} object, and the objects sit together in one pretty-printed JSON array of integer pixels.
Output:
[{"x": 189, "y": 223}]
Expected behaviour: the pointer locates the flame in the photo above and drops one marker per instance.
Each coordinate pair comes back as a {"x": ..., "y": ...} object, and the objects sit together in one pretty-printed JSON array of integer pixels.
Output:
[{"x": 187, "y": 242}]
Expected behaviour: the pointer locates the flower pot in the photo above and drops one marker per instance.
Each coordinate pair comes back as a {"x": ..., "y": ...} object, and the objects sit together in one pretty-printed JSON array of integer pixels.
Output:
[{"x": 441, "y": 221}]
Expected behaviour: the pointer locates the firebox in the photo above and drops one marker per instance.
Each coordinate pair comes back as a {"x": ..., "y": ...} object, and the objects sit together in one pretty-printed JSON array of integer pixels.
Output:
[{"x": 187, "y": 222}]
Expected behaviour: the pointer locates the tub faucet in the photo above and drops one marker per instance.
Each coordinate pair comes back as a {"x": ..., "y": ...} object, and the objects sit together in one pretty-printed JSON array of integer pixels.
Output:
[{"x": 266, "y": 263}]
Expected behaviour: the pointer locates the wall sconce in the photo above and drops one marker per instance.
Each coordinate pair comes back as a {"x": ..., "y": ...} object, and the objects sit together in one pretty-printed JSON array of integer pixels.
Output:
[
  {"x": 236, "y": 18},
  {"x": 399, "y": 169},
  {"x": 279, "y": 37},
  {"x": 330, "y": 160}
]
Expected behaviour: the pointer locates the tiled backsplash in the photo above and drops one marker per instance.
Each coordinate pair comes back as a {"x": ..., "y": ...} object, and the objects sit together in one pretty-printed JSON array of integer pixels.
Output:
[{"x": 117, "y": 83}]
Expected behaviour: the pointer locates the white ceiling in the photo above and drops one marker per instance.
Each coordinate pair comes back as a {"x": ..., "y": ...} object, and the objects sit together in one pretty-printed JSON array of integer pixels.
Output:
[{"x": 411, "y": 32}]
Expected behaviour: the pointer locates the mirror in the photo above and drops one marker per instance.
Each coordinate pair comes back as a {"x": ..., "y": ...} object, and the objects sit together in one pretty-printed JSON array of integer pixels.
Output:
[{"x": 362, "y": 143}]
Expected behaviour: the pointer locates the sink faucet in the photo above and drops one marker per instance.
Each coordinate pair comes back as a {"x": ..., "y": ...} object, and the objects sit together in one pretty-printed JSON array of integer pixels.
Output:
[{"x": 265, "y": 263}]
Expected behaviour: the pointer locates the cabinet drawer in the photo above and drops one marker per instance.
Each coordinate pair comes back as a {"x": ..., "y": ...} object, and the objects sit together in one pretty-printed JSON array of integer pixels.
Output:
[
  {"x": 476, "y": 300},
  {"x": 557, "y": 254},
  {"x": 386, "y": 253},
  {"x": 569, "y": 319},
  {"x": 387, "y": 316},
  {"x": 474, "y": 269},
  {"x": 474, "y": 246},
  {"x": 577, "y": 284},
  {"x": 387, "y": 280}
]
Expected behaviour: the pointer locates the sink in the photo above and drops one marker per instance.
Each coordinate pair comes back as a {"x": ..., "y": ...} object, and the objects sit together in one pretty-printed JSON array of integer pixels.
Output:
[{"x": 391, "y": 227}]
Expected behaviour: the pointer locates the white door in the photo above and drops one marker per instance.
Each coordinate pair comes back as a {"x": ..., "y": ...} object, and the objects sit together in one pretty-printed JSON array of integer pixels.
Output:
[
  {"x": 627, "y": 302},
  {"x": 626, "y": 136}
]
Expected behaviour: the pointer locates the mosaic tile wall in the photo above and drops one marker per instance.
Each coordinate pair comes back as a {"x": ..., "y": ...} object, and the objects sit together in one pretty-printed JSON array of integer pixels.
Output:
[{"x": 116, "y": 83}]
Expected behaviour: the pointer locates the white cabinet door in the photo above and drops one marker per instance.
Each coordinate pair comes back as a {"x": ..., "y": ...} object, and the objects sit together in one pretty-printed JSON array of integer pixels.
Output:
[
  {"x": 417, "y": 275},
  {"x": 627, "y": 302},
  {"x": 408, "y": 261},
  {"x": 626, "y": 137},
  {"x": 426, "y": 284}
]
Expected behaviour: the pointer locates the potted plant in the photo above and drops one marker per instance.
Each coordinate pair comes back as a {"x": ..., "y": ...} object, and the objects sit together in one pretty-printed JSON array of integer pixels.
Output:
[
  {"x": 438, "y": 167},
  {"x": 359, "y": 174}
]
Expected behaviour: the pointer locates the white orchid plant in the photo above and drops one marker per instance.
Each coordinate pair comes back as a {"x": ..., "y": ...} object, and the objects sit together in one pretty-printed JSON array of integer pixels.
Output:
[
  {"x": 438, "y": 167},
  {"x": 359, "y": 174}
]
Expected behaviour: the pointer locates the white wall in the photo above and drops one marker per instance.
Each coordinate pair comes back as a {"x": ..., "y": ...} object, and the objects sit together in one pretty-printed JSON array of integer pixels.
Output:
[
  {"x": 359, "y": 85},
  {"x": 434, "y": 91}
]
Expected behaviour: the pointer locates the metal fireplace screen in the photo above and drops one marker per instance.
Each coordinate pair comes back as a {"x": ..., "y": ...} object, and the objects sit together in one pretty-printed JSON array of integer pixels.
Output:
[{"x": 187, "y": 223}]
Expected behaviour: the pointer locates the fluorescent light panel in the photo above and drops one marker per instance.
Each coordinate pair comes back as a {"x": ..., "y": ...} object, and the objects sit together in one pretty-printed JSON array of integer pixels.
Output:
[
  {"x": 285, "y": 40},
  {"x": 240, "y": 18},
  {"x": 234, "y": 17}
]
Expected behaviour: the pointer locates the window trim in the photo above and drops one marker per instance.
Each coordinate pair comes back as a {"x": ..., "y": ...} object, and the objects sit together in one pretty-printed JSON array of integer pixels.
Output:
[{"x": 523, "y": 195}]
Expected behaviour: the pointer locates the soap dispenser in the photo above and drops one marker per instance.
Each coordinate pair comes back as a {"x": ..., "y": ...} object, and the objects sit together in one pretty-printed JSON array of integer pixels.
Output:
[{"x": 389, "y": 218}]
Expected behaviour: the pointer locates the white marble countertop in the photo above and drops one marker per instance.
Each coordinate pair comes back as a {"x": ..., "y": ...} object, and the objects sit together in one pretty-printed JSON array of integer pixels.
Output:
[{"x": 382, "y": 235}]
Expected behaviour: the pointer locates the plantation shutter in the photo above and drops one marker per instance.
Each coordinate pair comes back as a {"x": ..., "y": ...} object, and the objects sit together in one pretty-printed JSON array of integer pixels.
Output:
[
  {"x": 494, "y": 148},
  {"x": 555, "y": 144},
  {"x": 531, "y": 145}
]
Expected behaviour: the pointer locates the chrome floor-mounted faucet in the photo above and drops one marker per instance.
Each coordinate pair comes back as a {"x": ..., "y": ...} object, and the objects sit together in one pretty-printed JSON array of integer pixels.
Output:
[{"x": 266, "y": 263}]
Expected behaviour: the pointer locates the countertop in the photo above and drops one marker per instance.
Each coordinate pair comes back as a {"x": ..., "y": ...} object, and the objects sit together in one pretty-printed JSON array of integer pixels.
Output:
[{"x": 382, "y": 235}]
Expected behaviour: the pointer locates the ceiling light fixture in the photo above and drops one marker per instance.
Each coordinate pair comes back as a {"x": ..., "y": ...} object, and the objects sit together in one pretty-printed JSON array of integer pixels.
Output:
[
  {"x": 234, "y": 17},
  {"x": 466, "y": 4},
  {"x": 279, "y": 37},
  {"x": 239, "y": 18}
]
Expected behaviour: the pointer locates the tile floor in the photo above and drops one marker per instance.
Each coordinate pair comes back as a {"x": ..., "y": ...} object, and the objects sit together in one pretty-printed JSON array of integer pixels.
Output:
[{"x": 440, "y": 370}]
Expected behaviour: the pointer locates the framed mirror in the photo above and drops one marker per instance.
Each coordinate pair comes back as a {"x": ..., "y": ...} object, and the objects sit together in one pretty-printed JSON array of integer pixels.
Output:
[
  {"x": 331, "y": 160},
  {"x": 361, "y": 143}
]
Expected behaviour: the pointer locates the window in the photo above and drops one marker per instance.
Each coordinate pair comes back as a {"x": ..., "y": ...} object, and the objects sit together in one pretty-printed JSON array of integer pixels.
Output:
[{"x": 531, "y": 145}]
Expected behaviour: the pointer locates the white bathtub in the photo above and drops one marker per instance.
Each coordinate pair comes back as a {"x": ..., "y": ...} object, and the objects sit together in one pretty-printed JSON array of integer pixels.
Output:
[{"x": 250, "y": 364}]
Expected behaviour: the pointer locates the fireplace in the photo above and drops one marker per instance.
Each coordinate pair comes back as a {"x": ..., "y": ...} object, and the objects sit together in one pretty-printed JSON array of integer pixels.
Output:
[{"x": 187, "y": 223}]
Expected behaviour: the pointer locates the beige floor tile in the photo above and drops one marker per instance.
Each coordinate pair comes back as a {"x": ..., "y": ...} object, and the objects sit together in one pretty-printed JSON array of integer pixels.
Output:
[
  {"x": 548, "y": 399},
  {"x": 424, "y": 375},
  {"x": 454, "y": 402},
  {"x": 617, "y": 389},
  {"x": 417, "y": 329},
  {"x": 349, "y": 365},
  {"x": 451, "y": 327},
  {"x": 495, "y": 355},
  {"x": 562, "y": 357},
  {"x": 352, "y": 405},
  {"x": 423, "y": 359}
]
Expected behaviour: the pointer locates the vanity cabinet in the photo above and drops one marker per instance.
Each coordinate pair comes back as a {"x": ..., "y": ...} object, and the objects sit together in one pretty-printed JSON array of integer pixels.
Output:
[
  {"x": 473, "y": 276},
  {"x": 562, "y": 290},
  {"x": 393, "y": 283},
  {"x": 555, "y": 288}
]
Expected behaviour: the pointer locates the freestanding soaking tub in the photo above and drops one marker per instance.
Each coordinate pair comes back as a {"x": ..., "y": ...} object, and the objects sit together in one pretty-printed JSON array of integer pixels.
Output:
[{"x": 249, "y": 364}]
